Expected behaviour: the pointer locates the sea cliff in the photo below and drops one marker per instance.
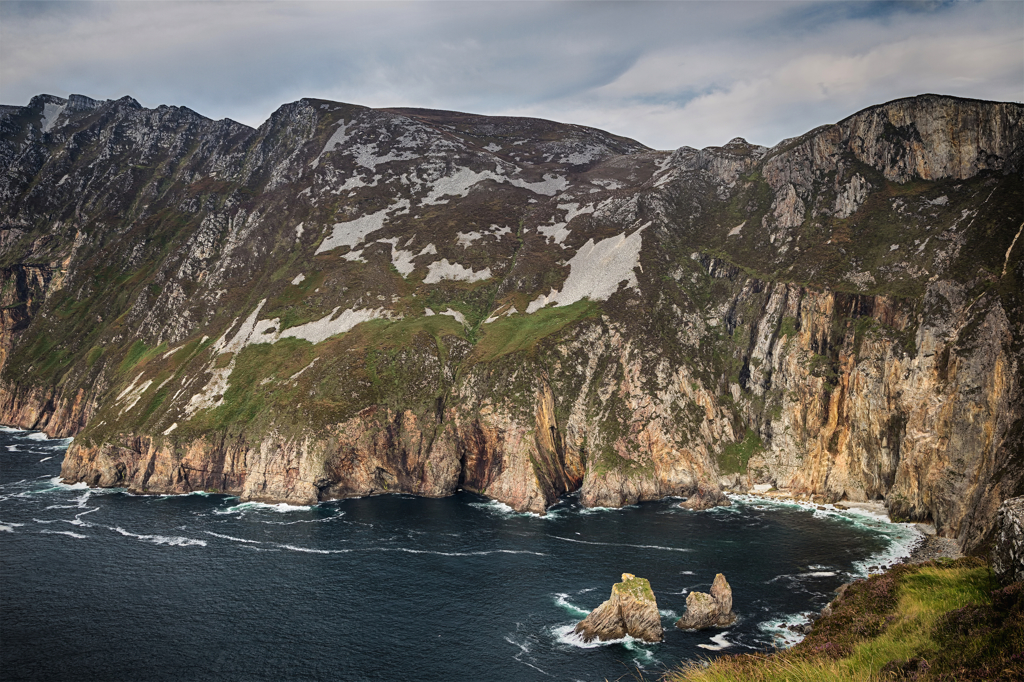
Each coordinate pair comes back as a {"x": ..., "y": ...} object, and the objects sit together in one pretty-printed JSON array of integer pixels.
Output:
[{"x": 349, "y": 301}]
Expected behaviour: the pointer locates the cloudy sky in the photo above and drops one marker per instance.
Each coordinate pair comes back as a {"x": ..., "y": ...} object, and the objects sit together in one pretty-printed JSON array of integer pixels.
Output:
[{"x": 665, "y": 73}]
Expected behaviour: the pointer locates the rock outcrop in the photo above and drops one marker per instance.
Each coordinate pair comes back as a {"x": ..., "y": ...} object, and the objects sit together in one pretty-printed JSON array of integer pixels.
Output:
[
  {"x": 1008, "y": 553},
  {"x": 705, "y": 499},
  {"x": 631, "y": 610},
  {"x": 709, "y": 610},
  {"x": 349, "y": 301}
]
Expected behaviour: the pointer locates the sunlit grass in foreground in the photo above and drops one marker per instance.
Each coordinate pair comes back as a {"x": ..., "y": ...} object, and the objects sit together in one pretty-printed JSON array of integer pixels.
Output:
[{"x": 937, "y": 621}]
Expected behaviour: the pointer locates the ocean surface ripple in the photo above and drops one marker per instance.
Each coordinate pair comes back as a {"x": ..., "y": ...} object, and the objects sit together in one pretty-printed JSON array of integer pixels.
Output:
[{"x": 102, "y": 585}]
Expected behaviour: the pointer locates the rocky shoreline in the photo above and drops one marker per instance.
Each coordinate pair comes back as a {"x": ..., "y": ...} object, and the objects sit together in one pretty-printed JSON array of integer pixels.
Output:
[{"x": 932, "y": 547}]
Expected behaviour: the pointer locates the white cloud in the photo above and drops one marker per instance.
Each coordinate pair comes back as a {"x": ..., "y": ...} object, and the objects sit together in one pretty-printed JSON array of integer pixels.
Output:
[{"x": 667, "y": 74}]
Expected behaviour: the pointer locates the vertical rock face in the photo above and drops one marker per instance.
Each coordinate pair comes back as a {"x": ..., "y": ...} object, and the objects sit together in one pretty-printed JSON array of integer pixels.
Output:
[
  {"x": 1008, "y": 553},
  {"x": 709, "y": 610},
  {"x": 348, "y": 301},
  {"x": 631, "y": 610},
  {"x": 721, "y": 592}
]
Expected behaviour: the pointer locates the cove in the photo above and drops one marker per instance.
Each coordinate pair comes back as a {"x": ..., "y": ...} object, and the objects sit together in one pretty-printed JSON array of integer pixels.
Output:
[{"x": 100, "y": 584}]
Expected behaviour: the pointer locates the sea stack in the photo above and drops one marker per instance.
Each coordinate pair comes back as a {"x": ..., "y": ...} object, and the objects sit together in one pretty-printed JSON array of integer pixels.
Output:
[
  {"x": 709, "y": 610},
  {"x": 631, "y": 610}
]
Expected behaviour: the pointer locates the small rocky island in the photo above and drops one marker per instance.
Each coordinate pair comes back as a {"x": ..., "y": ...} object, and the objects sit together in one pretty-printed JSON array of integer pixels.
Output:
[
  {"x": 709, "y": 610},
  {"x": 631, "y": 610}
]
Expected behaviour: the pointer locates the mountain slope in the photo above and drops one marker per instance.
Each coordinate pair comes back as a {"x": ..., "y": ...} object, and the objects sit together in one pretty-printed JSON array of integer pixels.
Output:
[{"x": 349, "y": 301}]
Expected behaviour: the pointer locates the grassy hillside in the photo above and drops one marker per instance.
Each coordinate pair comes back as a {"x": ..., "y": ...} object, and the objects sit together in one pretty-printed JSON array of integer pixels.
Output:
[{"x": 938, "y": 621}]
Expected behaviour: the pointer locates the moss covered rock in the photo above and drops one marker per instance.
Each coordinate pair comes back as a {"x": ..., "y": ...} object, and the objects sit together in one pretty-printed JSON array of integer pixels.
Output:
[{"x": 631, "y": 610}]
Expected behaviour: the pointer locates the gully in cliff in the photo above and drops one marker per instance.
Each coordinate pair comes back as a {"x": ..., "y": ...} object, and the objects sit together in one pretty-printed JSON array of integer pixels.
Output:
[{"x": 631, "y": 610}]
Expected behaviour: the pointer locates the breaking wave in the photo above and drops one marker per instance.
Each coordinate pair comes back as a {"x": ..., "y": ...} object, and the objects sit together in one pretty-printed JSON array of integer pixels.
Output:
[{"x": 171, "y": 540}]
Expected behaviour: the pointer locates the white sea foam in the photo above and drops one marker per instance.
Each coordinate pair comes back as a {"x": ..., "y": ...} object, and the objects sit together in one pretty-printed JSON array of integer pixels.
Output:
[
  {"x": 232, "y": 538},
  {"x": 13, "y": 448},
  {"x": 172, "y": 540},
  {"x": 10, "y": 429},
  {"x": 407, "y": 550},
  {"x": 617, "y": 544},
  {"x": 502, "y": 509},
  {"x": 168, "y": 496},
  {"x": 77, "y": 521},
  {"x": 46, "y": 458},
  {"x": 280, "y": 507},
  {"x": 309, "y": 550},
  {"x": 600, "y": 510},
  {"x": 781, "y": 636},
  {"x": 902, "y": 537},
  {"x": 802, "y": 576},
  {"x": 524, "y": 650},
  {"x": 439, "y": 553},
  {"x": 10, "y": 526},
  {"x": 64, "y": 532},
  {"x": 564, "y": 635},
  {"x": 720, "y": 642},
  {"x": 562, "y": 599},
  {"x": 37, "y": 435},
  {"x": 60, "y": 485},
  {"x": 292, "y": 523}
]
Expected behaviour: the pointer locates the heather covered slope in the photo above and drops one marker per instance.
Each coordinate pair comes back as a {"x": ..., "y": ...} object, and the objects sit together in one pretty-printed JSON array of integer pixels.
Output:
[{"x": 350, "y": 301}]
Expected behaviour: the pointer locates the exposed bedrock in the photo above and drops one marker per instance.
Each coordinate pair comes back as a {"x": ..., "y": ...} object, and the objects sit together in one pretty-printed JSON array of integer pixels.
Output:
[
  {"x": 349, "y": 301},
  {"x": 1008, "y": 551},
  {"x": 709, "y": 610},
  {"x": 631, "y": 610}
]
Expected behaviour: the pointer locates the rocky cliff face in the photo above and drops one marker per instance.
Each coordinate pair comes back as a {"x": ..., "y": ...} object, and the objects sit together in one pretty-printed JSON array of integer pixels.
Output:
[
  {"x": 349, "y": 301},
  {"x": 1008, "y": 551}
]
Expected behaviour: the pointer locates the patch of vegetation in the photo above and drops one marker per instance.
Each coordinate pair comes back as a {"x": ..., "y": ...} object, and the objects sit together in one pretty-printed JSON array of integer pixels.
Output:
[
  {"x": 928, "y": 622},
  {"x": 522, "y": 332},
  {"x": 788, "y": 327},
  {"x": 734, "y": 457},
  {"x": 248, "y": 394},
  {"x": 823, "y": 367},
  {"x": 637, "y": 588},
  {"x": 138, "y": 354},
  {"x": 93, "y": 355}
]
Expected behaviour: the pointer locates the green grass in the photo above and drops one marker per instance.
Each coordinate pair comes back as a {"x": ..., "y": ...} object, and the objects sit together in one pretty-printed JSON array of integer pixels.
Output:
[
  {"x": 938, "y": 620},
  {"x": 138, "y": 354},
  {"x": 734, "y": 456},
  {"x": 788, "y": 327},
  {"x": 522, "y": 332},
  {"x": 247, "y": 396},
  {"x": 637, "y": 588},
  {"x": 94, "y": 354}
]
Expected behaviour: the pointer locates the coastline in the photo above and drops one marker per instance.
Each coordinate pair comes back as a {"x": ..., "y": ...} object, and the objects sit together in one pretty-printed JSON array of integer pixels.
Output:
[{"x": 932, "y": 547}]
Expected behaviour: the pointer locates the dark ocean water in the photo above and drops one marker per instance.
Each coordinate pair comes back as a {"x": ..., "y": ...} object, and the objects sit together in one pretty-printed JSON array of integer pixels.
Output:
[{"x": 102, "y": 585}]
